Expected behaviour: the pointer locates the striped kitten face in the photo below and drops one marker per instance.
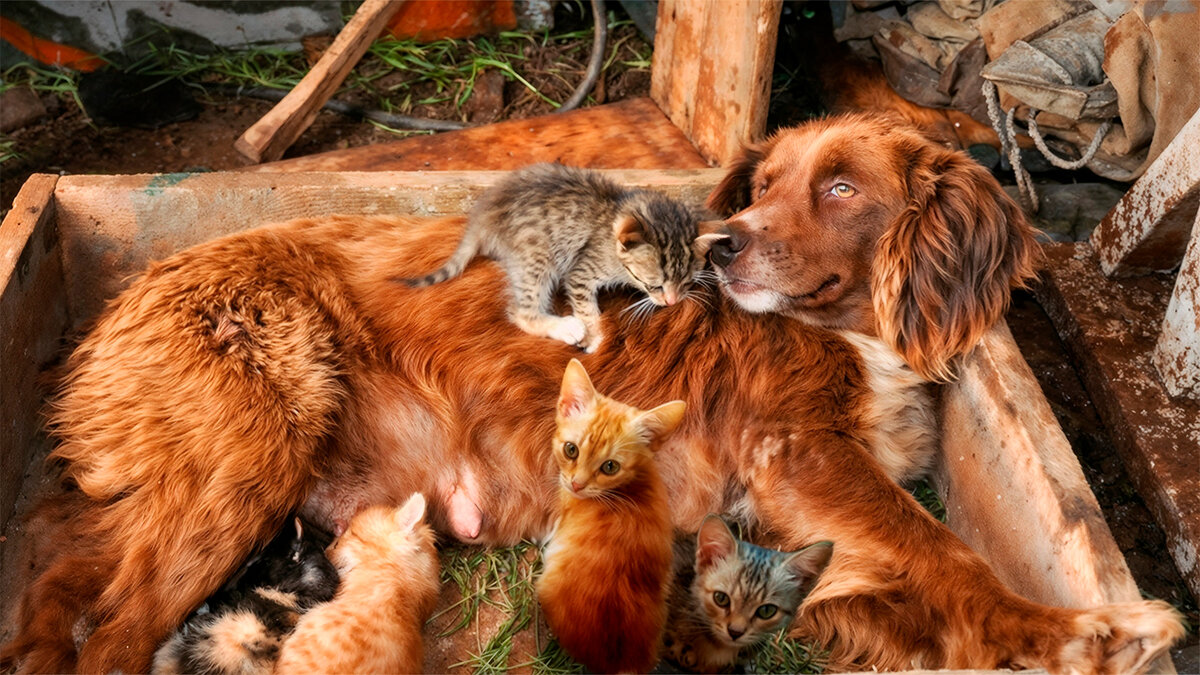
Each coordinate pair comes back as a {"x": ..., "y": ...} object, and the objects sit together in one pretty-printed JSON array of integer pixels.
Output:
[
  {"x": 600, "y": 444},
  {"x": 748, "y": 591},
  {"x": 663, "y": 246}
]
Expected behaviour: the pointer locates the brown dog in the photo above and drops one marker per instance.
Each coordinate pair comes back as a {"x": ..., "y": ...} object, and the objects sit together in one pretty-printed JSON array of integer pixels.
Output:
[{"x": 279, "y": 367}]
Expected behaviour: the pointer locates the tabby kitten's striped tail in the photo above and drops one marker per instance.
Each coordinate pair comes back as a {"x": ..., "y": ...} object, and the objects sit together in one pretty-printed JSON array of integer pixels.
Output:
[{"x": 467, "y": 248}]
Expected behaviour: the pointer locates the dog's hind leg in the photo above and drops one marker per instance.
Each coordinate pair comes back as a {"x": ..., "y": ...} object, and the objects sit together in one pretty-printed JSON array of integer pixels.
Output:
[{"x": 193, "y": 417}]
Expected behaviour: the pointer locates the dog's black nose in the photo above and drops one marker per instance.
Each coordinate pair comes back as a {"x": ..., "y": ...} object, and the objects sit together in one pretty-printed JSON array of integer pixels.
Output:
[{"x": 724, "y": 251}]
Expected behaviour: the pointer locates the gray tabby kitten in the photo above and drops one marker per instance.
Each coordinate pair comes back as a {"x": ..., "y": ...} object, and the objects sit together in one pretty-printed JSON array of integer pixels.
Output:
[
  {"x": 549, "y": 224},
  {"x": 239, "y": 630},
  {"x": 729, "y": 594}
]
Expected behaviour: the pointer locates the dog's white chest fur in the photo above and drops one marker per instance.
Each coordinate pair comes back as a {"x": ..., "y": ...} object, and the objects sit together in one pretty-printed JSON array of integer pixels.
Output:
[{"x": 902, "y": 426}]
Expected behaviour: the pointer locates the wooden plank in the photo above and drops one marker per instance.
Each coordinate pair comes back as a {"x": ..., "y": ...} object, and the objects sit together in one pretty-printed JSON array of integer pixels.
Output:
[
  {"x": 1109, "y": 326},
  {"x": 1006, "y": 469},
  {"x": 33, "y": 316},
  {"x": 1150, "y": 227},
  {"x": 712, "y": 68},
  {"x": 114, "y": 225},
  {"x": 269, "y": 137},
  {"x": 632, "y": 134},
  {"x": 1177, "y": 354}
]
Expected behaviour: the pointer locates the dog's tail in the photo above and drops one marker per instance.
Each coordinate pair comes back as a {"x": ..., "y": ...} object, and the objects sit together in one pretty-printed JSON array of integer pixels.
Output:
[{"x": 454, "y": 266}]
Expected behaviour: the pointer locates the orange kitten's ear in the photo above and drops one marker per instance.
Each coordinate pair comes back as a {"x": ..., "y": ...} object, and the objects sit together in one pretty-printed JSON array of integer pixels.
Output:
[
  {"x": 628, "y": 231},
  {"x": 714, "y": 542},
  {"x": 577, "y": 391},
  {"x": 662, "y": 420},
  {"x": 411, "y": 514},
  {"x": 808, "y": 563}
]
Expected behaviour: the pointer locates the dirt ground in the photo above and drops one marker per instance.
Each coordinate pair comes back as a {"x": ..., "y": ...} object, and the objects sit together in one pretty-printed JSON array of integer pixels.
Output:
[{"x": 66, "y": 142}]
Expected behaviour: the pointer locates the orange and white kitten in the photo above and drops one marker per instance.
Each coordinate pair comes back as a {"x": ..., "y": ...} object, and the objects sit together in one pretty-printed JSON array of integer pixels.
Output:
[
  {"x": 389, "y": 572},
  {"x": 608, "y": 563}
]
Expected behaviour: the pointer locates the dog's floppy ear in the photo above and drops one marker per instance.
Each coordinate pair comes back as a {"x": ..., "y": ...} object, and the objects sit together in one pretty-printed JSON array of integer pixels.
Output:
[
  {"x": 733, "y": 193},
  {"x": 945, "y": 268}
]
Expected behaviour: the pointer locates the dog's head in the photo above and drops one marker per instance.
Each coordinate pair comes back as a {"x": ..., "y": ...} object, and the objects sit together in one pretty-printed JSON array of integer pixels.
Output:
[{"x": 860, "y": 223}]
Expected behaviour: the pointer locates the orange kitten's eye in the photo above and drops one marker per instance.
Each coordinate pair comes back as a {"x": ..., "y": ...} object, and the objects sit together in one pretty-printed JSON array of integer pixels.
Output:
[
  {"x": 610, "y": 467},
  {"x": 570, "y": 450},
  {"x": 721, "y": 599}
]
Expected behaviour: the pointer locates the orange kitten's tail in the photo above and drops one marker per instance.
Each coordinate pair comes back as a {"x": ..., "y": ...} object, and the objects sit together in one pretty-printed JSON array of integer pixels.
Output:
[{"x": 467, "y": 249}]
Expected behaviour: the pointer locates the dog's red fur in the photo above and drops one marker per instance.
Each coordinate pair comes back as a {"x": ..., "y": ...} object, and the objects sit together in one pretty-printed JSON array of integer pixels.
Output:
[{"x": 242, "y": 377}]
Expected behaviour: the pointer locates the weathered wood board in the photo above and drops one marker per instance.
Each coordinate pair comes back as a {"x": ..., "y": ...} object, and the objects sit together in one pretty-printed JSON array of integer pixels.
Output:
[{"x": 712, "y": 67}]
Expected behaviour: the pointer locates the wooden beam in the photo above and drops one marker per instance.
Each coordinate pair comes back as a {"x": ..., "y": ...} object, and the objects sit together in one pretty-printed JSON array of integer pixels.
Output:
[
  {"x": 1177, "y": 353},
  {"x": 1149, "y": 228},
  {"x": 33, "y": 316},
  {"x": 114, "y": 225},
  {"x": 712, "y": 68},
  {"x": 631, "y": 134},
  {"x": 1004, "y": 462},
  {"x": 269, "y": 137},
  {"x": 1109, "y": 326}
]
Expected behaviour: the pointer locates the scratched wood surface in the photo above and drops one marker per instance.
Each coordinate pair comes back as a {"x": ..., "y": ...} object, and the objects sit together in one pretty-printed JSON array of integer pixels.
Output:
[{"x": 711, "y": 72}]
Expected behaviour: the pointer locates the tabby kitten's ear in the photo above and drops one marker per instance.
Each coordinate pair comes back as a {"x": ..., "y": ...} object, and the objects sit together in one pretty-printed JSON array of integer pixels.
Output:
[
  {"x": 714, "y": 543},
  {"x": 629, "y": 231},
  {"x": 660, "y": 421},
  {"x": 577, "y": 392},
  {"x": 412, "y": 513},
  {"x": 808, "y": 563}
]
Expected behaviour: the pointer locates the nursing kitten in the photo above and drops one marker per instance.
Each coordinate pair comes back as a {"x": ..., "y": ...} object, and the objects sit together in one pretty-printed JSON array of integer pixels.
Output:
[
  {"x": 729, "y": 594},
  {"x": 389, "y": 588},
  {"x": 241, "y": 627},
  {"x": 550, "y": 225},
  {"x": 608, "y": 563}
]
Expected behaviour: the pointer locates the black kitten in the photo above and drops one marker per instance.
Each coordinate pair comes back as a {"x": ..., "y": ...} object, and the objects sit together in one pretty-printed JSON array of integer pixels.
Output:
[{"x": 241, "y": 626}]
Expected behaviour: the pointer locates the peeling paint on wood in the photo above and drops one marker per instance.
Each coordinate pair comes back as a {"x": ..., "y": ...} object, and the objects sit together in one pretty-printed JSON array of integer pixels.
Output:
[
  {"x": 1177, "y": 354},
  {"x": 1109, "y": 326},
  {"x": 1149, "y": 228}
]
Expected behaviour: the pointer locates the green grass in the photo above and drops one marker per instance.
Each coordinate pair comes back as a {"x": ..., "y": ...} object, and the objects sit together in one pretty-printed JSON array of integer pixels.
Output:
[
  {"x": 504, "y": 580},
  {"x": 395, "y": 75},
  {"x": 8, "y": 149},
  {"x": 781, "y": 654},
  {"x": 928, "y": 497}
]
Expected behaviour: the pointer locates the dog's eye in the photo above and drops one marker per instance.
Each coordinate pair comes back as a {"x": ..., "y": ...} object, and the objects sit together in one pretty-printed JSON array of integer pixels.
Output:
[{"x": 842, "y": 190}]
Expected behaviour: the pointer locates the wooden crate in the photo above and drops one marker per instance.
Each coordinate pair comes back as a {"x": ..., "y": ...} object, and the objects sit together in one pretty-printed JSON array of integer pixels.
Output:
[{"x": 1012, "y": 487}]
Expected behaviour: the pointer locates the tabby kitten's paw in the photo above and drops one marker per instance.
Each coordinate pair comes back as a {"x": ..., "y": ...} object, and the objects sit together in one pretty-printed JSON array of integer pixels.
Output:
[{"x": 568, "y": 329}]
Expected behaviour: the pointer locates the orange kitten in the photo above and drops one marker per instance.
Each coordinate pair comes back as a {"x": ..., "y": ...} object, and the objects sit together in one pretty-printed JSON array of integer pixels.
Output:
[
  {"x": 608, "y": 563},
  {"x": 389, "y": 587}
]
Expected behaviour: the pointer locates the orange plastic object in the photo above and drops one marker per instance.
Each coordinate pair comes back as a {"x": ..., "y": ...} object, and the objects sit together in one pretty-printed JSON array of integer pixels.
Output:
[
  {"x": 428, "y": 21},
  {"x": 47, "y": 51}
]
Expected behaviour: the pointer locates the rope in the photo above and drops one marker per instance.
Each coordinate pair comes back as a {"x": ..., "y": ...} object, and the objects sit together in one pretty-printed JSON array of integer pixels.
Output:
[
  {"x": 1007, "y": 132},
  {"x": 1059, "y": 161}
]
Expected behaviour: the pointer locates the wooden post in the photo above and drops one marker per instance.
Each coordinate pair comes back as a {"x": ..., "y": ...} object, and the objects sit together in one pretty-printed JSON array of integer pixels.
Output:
[
  {"x": 269, "y": 137},
  {"x": 1177, "y": 352},
  {"x": 712, "y": 70},
  {"x": 1148, "y": 229}
]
